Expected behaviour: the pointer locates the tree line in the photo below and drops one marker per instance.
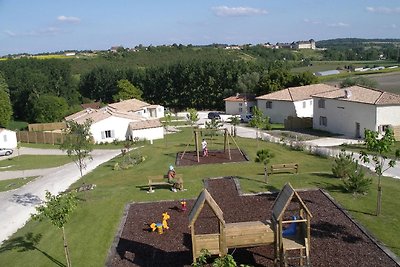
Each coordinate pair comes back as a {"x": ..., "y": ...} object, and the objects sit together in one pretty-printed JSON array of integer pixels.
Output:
[{"x": 46, "y": 90}]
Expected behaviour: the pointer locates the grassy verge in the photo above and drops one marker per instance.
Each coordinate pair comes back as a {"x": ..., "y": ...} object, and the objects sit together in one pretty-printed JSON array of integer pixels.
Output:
[
  {"x": 361, "y": 147},
  {"x": 93, "y": 225},
  {"x": 27, "y": 162},
  {"x": 6, "y": 185}
]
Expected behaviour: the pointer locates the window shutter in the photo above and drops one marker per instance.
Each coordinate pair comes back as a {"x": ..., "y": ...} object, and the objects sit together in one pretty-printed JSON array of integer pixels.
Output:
[
  {"x": 112, "y": 134},
  {"x": 103, "y": 135}
]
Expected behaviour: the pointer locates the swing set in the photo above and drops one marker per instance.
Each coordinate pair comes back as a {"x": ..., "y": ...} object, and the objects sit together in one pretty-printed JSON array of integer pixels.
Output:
[{"x": 227, "y": 149}]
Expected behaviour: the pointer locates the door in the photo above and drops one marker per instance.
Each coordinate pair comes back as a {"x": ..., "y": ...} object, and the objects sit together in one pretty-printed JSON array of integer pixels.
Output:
[{"x": 358, "y": 134}]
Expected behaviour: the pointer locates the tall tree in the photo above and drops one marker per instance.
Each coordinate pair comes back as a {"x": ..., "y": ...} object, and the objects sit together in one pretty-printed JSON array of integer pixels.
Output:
[
  {"x": 78, "y": 143},
  {"x": 5, "y": 103},
  {"x": 380, "y": 146},
  {"x": 126, "y": 90},
  {"x": 49, "y": 108},
  {"x": 57, "y": 209}
]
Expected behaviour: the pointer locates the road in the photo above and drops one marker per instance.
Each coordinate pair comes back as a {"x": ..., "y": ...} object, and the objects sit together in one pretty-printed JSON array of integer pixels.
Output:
[{"x": 17, "y": 205}]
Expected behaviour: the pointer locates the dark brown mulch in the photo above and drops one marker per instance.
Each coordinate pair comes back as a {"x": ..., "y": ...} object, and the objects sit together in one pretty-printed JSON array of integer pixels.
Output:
[
  {"x": 214, "y": 156},
  {"x": 335, "y": 239}
]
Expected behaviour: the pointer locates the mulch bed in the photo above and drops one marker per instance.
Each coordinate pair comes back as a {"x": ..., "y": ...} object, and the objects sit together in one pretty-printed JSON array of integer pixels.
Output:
[
  {"x": 335, "y": 239},
  {"x": 214, "y": 156}
]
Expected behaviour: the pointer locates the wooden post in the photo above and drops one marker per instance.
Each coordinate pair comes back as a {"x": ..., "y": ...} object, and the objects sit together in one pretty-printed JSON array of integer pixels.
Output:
[
  {"x": 196, "y": 137},
  {"x": 193, "y": 242},
  {"x": 223, "y": 250},
  {"x": 225, "y": 139}
]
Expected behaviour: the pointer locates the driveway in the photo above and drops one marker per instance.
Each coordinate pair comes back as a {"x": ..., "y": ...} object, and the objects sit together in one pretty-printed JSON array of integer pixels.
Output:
[{"x": 17, "y": 205}]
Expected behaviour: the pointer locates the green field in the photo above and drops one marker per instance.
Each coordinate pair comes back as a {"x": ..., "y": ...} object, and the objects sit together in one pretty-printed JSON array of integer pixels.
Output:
[
  {"x": 27, "y": 162},
  {"x": 94, "y": 224},
  {"x": 10, "y": 184}
]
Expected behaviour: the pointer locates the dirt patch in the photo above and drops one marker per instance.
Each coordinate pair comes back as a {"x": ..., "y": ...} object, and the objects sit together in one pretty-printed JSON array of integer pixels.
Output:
[
  {"x": 214, "y": 156},
  {"x": 335, "y": 239}
]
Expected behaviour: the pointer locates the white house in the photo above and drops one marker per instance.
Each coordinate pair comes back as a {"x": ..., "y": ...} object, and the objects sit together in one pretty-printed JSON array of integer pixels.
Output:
[
  {"x": 240, "y": 104},
  {"x": 292, "y": 101},
  {"x": 8, "y": 138},
  {"x": 139, "y": 107},
  {"x": 109, "y": 125},
  {"x": 349, "y": 111}
]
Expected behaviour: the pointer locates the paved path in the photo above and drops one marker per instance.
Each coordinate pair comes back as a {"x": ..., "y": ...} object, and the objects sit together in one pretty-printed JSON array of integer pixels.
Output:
[{"x": 17, "y": 205}]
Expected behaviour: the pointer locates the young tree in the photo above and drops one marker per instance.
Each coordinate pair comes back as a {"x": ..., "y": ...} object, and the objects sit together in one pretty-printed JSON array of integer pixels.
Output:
[
  {"x": 167, "y": 122},
  {"x": 264, "y": 156},
  {"x": 344, "y": 165},
  {"x": 78, "y": 143},
  {"x": 235, "y": 121},
  {"x": 192, "y": 116},
  {"x": 126, "y": 90},
  {"x": 257, "y": 121},
  {"x": 212, "y": 127},
  {"x": 380, "y": 147},
  {"x": 57, "y": 209}
]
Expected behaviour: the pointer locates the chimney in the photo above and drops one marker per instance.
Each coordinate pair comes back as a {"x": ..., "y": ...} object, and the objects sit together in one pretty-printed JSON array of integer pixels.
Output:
[{"x": 237, "y": 94}]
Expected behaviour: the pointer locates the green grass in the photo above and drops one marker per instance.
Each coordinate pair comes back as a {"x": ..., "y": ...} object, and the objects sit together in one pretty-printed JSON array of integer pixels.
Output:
[
  {"x": 362, "y": 147},
  {"x": 6, "y": 185},
  {"x": 27, "y": 162},
  {"x": 93, "y": 225}
]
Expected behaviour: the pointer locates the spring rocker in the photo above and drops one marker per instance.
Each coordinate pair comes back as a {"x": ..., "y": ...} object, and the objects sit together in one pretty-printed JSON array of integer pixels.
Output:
[
  {"x": 160, "y": 226},
  {"x": 257, "y": 233}
]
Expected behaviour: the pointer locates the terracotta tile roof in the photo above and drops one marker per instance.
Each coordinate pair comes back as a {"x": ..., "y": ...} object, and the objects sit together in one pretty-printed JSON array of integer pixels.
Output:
[
  {"x": 129, "y": 105},
  {"x": 145, "y": 124},
  {"x": 95, "y": 105},
  {"x": 297, "y": 93},
  {"x": 241, "y": 98},
  {"x": 362, "y": 95},
  {"x": 97, "y": 115}
]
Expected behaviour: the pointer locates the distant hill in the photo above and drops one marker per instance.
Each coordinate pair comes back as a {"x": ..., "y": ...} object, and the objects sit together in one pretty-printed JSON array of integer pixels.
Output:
[{"x": 354, "y": 41}]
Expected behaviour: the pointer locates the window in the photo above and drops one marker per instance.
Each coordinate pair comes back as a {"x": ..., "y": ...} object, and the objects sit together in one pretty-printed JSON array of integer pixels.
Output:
[
  {"x": 240, "y": 110},
  {"x": 240, "y": 104},
  {"x": 311, "y": 102},
  {"x": 107, "y": 134},
  {"x": 304, "y": 104},
  {"x": 383, "y": 128},
  {"x": 5, "y": 138},
  {"x": 268, "y": 104},
  {"x": 321, "y": 103},
  {"x": 323, "y": 121}
]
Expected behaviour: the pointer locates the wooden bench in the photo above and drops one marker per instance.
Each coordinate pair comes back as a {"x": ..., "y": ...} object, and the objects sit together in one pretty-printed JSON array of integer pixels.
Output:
[
  {"x": 161, "y": 180},
  {"x": 284, "y": 168}
]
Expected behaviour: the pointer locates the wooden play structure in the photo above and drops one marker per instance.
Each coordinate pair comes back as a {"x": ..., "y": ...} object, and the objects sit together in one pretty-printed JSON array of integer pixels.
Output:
[
  {"x": 199, "y": 132},
  {"x": 254, "y": 233}
]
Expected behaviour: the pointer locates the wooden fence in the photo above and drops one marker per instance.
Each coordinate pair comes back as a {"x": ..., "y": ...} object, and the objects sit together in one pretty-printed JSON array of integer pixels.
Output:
[
  {"x": 292, "y": 123},
  {"x": 40, "y": 137},
  {"x": 41, "y": 127}
]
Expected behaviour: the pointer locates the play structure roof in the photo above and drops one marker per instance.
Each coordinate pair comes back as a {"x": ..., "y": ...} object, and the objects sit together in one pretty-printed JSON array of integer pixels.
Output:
[
  {"x": 283, "y": 200},
  {"x": 205, "y": 197}
]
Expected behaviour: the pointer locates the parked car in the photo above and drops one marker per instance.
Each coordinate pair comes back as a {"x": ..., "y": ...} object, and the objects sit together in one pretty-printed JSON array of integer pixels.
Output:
[
  {"x": 246, "y": 117},
  {"x": 5, "y": 151},
  {"x": 214, "y": 115}
]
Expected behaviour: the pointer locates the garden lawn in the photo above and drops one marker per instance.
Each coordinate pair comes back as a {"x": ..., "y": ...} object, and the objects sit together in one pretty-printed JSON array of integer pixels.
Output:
[
  {"x": 28, "y": 162},
  {"x": 94, "y": 224},
  {"x": 6, "y": 185}
]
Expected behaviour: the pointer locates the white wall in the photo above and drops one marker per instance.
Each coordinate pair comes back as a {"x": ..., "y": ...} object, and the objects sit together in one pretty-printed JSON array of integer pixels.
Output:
[
  {"x": 233, "y": 108},
  {"x": 8, "y": 139},
  {"x": 119, "y": 126},
  {"x": 304, "y": 108},
  {"x": 343, "y": 115},
  {"x": 280, "y": 110},
  {"x": 149, "y": 134},
  {"x": 388, "y": 115}
]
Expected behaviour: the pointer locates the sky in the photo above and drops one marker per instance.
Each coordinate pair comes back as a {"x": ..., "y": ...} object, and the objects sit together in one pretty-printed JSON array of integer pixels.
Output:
[{"x": 39, "y": 26}]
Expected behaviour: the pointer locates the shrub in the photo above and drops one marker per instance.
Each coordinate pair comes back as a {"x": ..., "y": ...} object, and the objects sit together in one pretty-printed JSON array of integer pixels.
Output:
[
  {"x": 344, "y": 165},
  {"x": 356, "y": 183}
]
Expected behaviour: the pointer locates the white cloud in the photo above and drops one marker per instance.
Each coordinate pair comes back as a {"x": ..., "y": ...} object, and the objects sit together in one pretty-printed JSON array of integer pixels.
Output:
[
  {"x": 10, "y": 33},
  {"x": 383, "y": 10},
  {"x": 224, "y": 11},
  {"x": 339, "y": 24},
  {"x": 68, "y": 19},
  {"x": 311, "y": 21}
]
